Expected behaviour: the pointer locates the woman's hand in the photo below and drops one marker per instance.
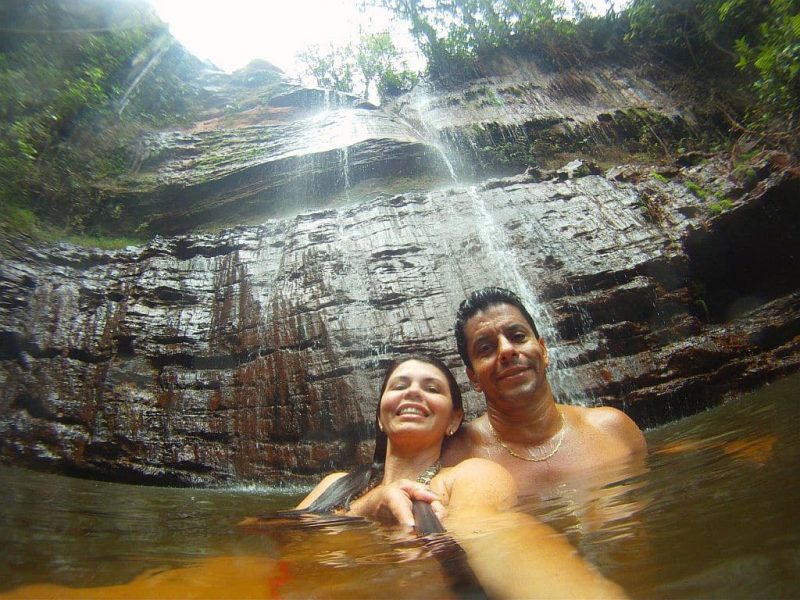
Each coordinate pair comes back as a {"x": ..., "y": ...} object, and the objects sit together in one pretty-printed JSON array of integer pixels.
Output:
[{"x": 392, "y": 503}]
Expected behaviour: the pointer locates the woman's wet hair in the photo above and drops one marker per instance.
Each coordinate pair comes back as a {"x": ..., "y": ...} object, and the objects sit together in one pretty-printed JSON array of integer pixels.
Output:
[{"x": 351, "y": 486}]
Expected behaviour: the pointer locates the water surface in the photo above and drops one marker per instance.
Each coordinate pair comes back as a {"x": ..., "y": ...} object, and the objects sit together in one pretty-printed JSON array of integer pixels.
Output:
[{"x": 713, "y": 514}]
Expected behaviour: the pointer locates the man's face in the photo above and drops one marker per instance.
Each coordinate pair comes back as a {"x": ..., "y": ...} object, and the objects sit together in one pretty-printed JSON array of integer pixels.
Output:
[{"x": 508, "y": 363}]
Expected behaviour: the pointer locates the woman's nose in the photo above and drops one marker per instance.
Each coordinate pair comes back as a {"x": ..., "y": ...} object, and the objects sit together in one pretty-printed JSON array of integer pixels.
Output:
[{"x": 413, "y": 390}]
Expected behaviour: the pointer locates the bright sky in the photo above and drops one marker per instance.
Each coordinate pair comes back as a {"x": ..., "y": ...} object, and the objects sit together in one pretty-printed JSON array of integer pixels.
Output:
[{"x": 232, "y": 33}]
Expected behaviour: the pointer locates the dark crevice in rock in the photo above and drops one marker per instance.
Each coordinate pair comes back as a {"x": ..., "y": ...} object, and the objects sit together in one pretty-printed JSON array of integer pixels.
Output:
[
  {"x": 394, "y": 252},
  {"x": 186, "y": 249},
  {"x": 125, "y": 346},
  {"x": 167, "y": 295},
  {"x": 33, "y": 405},
  {"x": 169, "y": 340},
  {"x": 221, "y": 437},
  {"x": 190, "y": 466},
  {"x": 12, "y": 347},
  {"x": 748, "y": 255},
  {"x": 388, "y": 301},
  {"x": 332, "y": 374},
  {"x": 193, "y": 361},
  {"x": 80, "y": 258},
  {"x": 87, "y": 356}
]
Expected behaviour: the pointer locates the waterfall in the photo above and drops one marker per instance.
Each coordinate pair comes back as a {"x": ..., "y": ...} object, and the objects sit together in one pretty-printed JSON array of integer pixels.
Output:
[
  {"x": 495, "y": 242},
  {"x": 503, "y": 254},
  {"x": 344, "y": 167}
]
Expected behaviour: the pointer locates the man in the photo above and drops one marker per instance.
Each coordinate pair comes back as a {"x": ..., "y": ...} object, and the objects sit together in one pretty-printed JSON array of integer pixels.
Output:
[{"x": 540, "y": 442}]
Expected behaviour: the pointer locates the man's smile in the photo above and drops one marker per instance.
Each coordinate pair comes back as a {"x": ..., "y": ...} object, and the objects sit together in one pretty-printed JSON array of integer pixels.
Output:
[{"x": 512, "y": 371}]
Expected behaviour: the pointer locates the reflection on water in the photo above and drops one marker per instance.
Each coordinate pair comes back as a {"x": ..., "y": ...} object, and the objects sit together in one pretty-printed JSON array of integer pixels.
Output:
[
  {"x": 713, "y": 514},
  {"x": 80, "y": 532}
]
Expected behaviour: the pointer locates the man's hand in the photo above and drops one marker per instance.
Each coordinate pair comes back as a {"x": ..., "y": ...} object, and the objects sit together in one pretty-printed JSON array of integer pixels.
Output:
[{"x": 392, "y": 503}]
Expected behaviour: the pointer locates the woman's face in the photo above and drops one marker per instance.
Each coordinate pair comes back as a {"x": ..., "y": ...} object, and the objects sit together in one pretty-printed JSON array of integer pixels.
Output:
[{"x": 417, "y": 406}]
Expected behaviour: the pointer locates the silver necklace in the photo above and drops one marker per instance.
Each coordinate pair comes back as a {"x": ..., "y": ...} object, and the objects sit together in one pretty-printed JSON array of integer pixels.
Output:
[
  {"x": 530, "y": 458},
  {"x": 428, "y": 474}
]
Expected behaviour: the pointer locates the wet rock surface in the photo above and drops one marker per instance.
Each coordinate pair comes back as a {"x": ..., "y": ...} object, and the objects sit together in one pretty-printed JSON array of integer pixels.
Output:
[
  {"x": 258, "y": 154},
  {"x": 255, "y": 354}
]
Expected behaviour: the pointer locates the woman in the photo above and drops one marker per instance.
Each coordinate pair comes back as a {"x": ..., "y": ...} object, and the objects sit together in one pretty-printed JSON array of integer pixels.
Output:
[{"x": 512, "y": 554}]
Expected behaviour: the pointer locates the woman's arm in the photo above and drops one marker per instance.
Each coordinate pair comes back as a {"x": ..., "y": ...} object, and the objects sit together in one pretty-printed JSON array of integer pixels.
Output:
[
  {"x": 512, "y": 554},
  {"x": 317, "y": 491},
  {"x": 392, "y": 503}
]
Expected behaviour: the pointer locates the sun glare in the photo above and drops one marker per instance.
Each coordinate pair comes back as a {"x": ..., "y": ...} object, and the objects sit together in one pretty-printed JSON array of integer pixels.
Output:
[{"x": 230, "y": 34}]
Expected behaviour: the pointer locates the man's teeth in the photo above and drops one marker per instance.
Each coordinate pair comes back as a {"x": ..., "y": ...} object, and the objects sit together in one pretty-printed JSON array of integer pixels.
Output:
[{"x": 411, "y": 410}]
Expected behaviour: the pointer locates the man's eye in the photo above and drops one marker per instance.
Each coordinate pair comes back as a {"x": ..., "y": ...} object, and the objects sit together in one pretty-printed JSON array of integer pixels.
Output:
[{"x": 519, "y": 337}]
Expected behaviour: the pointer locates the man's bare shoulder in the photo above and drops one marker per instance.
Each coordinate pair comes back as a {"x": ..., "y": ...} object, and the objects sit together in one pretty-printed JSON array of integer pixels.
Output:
[
  {"x": 611, "y": 423},
  {"x": 464, "y": 444},
  {"x": 477, "y": 481}
]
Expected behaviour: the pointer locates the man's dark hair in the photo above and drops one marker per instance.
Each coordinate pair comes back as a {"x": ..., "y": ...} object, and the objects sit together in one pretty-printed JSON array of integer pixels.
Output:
[{"x": 479, "y": 301}]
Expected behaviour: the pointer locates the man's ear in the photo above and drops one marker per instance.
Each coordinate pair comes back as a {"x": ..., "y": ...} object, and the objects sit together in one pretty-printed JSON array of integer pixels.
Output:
[
  {"x": 545, "y": 356},
  {"x": 473, "y": 379}
]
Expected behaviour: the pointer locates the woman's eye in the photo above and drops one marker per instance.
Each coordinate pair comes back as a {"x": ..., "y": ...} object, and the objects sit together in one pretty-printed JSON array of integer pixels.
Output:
[{"x": 433, "y": 389}]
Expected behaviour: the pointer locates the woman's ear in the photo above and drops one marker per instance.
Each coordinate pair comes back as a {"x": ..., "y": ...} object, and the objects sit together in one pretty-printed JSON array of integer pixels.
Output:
[{"x": 455, "y": 421}]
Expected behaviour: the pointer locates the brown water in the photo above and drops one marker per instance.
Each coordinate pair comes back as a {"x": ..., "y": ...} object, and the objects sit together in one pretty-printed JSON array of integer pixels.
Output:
[{"x": 714, "y": 515}]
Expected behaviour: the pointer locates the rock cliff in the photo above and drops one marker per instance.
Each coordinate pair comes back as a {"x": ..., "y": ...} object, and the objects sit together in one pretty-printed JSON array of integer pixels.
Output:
[{"x": 254, "y": 353}]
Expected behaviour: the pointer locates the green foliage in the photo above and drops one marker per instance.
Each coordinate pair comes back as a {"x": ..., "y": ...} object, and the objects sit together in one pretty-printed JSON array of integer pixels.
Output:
[
  {"x": 375, "y": 56},
  {"x": 19, "y": 219},
  {"x": 659, "y": 177},
  {"x": 393, "y": 83},
  {"x": 61, "y": 98},
  {"x": 761, "y": 38},
  {"x": 720, "y": 206},
  {"x": 774, "y": 55},
  {"x": 332, "y": 66},
  {"x": 104, "y": 242},
  {"x": 696, "y": 189},
  {"x": 375, "y": 60},
  {"x": 695, "y": 32},
  {"x": 455, "y": 36},
  {"x": 711, "y": 37}
]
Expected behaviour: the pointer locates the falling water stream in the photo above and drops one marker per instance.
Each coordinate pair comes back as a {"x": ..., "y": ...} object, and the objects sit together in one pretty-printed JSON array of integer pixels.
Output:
[{"x": 496, "y": 246}]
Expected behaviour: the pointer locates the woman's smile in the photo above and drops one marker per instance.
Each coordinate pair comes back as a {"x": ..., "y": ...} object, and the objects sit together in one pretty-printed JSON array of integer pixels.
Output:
[
  {"x": 412, "y": 409},
  {"x": 417, "y": 399}
]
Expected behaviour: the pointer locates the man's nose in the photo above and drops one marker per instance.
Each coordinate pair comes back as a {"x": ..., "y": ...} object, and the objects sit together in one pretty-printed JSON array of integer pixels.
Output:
[{"x": 505, "y": 348}]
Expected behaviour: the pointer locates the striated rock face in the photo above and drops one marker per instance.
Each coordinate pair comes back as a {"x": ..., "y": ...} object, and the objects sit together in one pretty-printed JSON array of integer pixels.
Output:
[
  {"x": 257, "y": 352},
  {"x": 187, "y": 179},
  {"x": 523, "y": 114},
  {"x": 301, "y": 149}
]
